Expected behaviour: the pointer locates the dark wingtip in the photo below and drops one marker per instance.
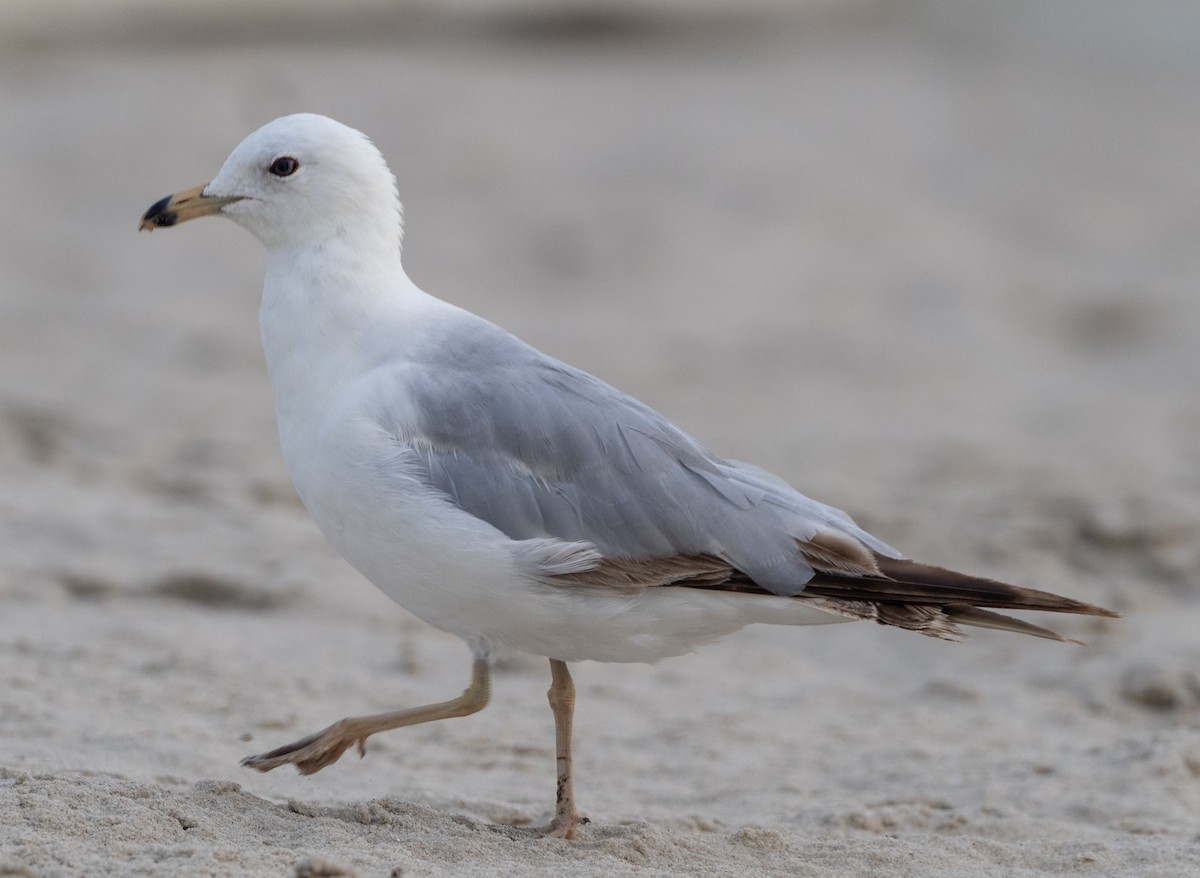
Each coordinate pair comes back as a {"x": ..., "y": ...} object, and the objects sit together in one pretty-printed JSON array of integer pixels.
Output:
[{"x": 926, "y": 583}]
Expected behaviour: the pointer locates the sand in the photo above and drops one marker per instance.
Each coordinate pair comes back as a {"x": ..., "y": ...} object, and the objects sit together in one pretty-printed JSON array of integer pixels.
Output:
[{"x": 935, "y": 263}]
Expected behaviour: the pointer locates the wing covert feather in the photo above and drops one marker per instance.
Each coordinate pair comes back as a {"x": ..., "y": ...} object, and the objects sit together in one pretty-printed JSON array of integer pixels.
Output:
[{"x": 539, "y": 449}]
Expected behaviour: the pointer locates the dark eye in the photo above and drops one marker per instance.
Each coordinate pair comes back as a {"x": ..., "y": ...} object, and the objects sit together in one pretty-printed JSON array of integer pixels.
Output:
[{"x": 284, "y": 166}]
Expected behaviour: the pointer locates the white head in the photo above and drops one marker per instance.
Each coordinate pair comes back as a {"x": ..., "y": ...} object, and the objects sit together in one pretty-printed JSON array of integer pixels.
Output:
[{"x": 299, "y": 181}]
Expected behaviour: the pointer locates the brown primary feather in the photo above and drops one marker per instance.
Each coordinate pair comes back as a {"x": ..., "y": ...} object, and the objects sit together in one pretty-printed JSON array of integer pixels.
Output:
[
  {"x": 901, "y": 593},
  {"x": 914, "y": 583},
  {"x": 701, "y": 571},
  {"x": 832, "y": 552},
  {"x": 930, "y": 621}
]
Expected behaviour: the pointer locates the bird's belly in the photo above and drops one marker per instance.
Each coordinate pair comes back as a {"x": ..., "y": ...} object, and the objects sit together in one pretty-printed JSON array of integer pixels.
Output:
[
  {"x": 437, "y": 562},
  {"x": 460, "y": 574}
]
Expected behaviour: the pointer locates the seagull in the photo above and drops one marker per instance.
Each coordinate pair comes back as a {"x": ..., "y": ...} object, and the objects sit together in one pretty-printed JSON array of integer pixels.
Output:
[{"x": 507, "y": 497}]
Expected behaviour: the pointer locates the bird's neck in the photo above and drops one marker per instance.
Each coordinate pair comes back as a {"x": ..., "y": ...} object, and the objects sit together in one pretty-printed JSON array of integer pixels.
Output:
[{"x": 320, "y": 307}]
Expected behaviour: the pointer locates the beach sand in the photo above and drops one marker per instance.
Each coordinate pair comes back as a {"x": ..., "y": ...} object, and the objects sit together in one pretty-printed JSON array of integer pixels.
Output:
[{"x": 935, "y": 263}]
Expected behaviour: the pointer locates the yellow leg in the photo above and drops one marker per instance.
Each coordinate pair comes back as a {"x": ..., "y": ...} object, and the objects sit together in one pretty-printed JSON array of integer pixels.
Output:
[
  {"x": 313, "y": 753},
  {"x": 562, "y": 703}
]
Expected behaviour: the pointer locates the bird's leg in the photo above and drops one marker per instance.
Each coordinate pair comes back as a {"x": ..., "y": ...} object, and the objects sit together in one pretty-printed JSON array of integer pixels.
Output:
[
  {"x": 313, "y": 753},
  {"x": 562, "y": 703}
]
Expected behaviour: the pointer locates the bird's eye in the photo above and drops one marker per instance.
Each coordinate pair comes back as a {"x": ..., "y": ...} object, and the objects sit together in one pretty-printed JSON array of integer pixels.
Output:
[{"x": 284, "y": 166}]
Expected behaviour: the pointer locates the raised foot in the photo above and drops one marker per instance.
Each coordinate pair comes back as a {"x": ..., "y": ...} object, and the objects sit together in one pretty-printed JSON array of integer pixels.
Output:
[{"x": 313, "y": 753}]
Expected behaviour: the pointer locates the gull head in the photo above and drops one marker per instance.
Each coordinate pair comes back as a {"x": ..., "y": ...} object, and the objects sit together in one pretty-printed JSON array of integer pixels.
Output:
[{"x": 299, "y": 181}]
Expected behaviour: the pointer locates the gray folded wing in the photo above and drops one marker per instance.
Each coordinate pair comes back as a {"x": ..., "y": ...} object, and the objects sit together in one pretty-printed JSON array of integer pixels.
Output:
[{"x": 539, "y": 449}]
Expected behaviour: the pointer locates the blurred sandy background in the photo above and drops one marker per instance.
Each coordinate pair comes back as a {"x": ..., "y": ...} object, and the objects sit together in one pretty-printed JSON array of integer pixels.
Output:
[{"x": 934, "y": 262}]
